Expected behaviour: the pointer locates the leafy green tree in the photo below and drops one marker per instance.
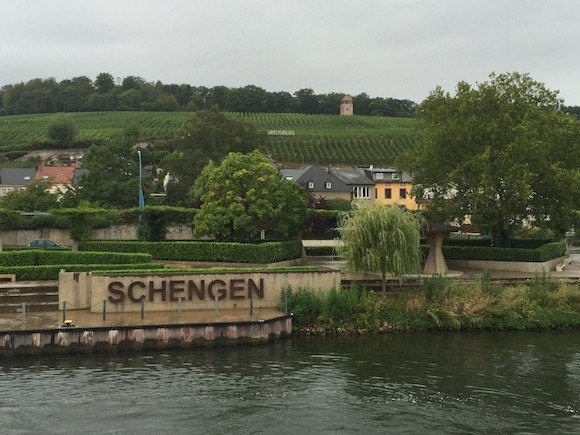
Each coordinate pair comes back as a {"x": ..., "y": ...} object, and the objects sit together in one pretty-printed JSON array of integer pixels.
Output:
[
  {"x": 35, "y": 197},
  {"x": 307, "y": 101},
  {"x": 210, "y": 135},
  {"x": 104, "y": 83},
  {"x": 61, "y": 131},
  {"x": 73, "y": 94},
  {"x": 501, "y": 152},
  {"x": 379, "y": 238},
  {"x": 244, "y": 195},
  {"x": 166, "y": 102},
  {"x": 131, "y": 99},
  {"x": 113, "y": 175}
]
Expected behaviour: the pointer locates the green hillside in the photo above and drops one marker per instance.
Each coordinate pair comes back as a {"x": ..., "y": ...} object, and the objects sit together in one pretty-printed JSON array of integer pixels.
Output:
[{"x": 292, "y": 138}]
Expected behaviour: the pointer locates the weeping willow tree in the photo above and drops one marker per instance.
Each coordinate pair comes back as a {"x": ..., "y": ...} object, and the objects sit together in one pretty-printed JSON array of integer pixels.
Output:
[{"x": 382, "y": 239}]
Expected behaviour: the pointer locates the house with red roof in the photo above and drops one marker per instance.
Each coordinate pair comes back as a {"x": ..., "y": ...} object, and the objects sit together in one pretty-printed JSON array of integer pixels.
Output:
[{"x": 59, "y": 177}]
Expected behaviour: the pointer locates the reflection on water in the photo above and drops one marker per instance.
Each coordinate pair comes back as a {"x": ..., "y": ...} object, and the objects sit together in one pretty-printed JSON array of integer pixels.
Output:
[{"x": 440, "y": 382}]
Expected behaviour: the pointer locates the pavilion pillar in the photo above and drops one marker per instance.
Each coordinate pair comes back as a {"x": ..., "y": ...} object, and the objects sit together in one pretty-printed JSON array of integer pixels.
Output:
[{"x": 435, "y": 263}]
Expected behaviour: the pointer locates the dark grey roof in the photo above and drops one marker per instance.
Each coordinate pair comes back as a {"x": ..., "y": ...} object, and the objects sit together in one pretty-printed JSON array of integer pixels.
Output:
[
  {"x": 291, "y": 174},
  {"x": 404, "y": 177},
  {"x": 353, "y": 176},
  {"x": 318, "y": 176},
  {"x": 17, "y": 176}
]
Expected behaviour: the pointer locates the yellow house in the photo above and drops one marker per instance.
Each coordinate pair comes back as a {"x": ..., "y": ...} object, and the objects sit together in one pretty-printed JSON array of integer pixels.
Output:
[{"x": 393, "y": 187}]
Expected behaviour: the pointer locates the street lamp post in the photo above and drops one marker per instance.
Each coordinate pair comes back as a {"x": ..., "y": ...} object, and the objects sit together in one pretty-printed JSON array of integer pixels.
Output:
[{"x": 141, "y": 201}]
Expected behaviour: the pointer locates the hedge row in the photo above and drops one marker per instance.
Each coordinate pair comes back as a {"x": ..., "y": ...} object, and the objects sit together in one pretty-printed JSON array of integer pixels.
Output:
[
  {"x": 49, "y": 272},
  {"x": 34, "y": 257},
  {"x": 227, "y": 252},
  {"x": 514, "y": 243},
  {"x": 212, "y": 270},
  {"x": 545, "y": 252},
  {"x": 13, "y": 220}
]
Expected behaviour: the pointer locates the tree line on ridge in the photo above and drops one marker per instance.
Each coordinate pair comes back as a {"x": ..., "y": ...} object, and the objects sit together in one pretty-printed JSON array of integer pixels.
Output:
[{"x": 132, "y": 93}]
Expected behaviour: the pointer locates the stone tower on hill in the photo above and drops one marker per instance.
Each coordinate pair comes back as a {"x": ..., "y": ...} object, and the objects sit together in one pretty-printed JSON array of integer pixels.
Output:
[{"x": 346, "y": 106}]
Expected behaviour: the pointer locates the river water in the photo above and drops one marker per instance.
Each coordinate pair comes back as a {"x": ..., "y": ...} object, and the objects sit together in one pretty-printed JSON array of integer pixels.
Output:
[{"x": 493, "y": 382}]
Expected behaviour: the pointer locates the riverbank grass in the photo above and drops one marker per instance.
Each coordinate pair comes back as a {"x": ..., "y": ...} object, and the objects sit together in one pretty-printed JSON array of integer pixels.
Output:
[{"x": 441, "y": 304}]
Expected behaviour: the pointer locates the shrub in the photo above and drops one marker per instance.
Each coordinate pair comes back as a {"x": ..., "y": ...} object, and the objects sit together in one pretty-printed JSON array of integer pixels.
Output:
[
  {"x": 321, "y": 224},
  {"x": 435, "y": 287},
  {"x": 305, "y": 305}
]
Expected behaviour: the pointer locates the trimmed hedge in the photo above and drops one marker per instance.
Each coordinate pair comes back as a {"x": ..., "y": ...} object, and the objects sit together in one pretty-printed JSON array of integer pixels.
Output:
[
  {"x": 546, "y": 252},
  {"x": 35, "y": 257},
  {"x": 49, "y": 272},
  {"x": 227, "y": 252},
  {"x": 514, "y": 243},
  {"x": 213, "y": 270}
]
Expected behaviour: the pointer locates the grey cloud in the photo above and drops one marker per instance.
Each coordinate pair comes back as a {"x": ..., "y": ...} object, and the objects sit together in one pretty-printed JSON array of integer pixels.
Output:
[{"x": 391, "y": 48}]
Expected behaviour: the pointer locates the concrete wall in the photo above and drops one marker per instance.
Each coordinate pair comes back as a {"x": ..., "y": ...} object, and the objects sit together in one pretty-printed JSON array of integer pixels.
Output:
[
  {"x": 138, "y": 337},
  {"x": 161, "y": 292},
  {"x": 116, "y": 232},
  {"x": 512, "y": 266}
]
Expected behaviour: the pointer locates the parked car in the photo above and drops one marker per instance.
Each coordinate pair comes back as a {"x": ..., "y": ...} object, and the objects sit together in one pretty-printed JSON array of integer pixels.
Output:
[{"x": 44, "y": 243}]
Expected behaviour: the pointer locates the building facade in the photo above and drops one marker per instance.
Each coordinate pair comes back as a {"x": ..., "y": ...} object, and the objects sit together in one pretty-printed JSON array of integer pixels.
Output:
[{"x": 393, "y": 187}]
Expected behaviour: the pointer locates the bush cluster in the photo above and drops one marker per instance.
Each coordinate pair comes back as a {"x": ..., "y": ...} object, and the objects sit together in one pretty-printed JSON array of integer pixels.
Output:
[
  {"x": 228, "y": 252},
  {"x": 49, "y": 272},
  {"x": 353, "y": 306},
  {"x": 36, "y": 257},
  {"x": 440, "y": 304}
]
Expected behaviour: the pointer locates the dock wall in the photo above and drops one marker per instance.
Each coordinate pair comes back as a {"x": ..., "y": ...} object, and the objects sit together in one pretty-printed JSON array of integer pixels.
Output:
[{"x": 78, "y": 340}]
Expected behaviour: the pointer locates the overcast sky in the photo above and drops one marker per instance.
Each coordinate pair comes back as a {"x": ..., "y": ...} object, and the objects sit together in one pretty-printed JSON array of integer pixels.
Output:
[{"x": 390, "y": 48}]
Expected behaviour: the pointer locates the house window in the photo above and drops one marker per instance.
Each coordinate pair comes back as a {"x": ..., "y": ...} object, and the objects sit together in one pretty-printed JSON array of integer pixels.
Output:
[
  {"x": 289, "y": 177},
  {"x": 402, "y": 193},
  {"x": 388, "y": 194},
  {"x": 379, "y": 176},
  {"x": 361, "y": 192},
  {"x": 328, "y": 185},
  {"x": 311, "y": 184},
  {"x": 395, "y": 176}
]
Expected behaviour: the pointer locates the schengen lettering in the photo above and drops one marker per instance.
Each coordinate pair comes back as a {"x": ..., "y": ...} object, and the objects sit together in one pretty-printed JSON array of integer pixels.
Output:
[{"x": 190, "y": 290}]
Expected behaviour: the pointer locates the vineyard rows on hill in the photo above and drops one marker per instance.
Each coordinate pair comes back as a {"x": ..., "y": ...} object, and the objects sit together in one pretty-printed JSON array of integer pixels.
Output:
[{"x": 295, "y": 138}]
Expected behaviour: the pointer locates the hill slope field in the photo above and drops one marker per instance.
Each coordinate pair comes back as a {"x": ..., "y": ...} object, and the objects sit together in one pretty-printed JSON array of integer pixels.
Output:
[{"x": 292, "y": 138}]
